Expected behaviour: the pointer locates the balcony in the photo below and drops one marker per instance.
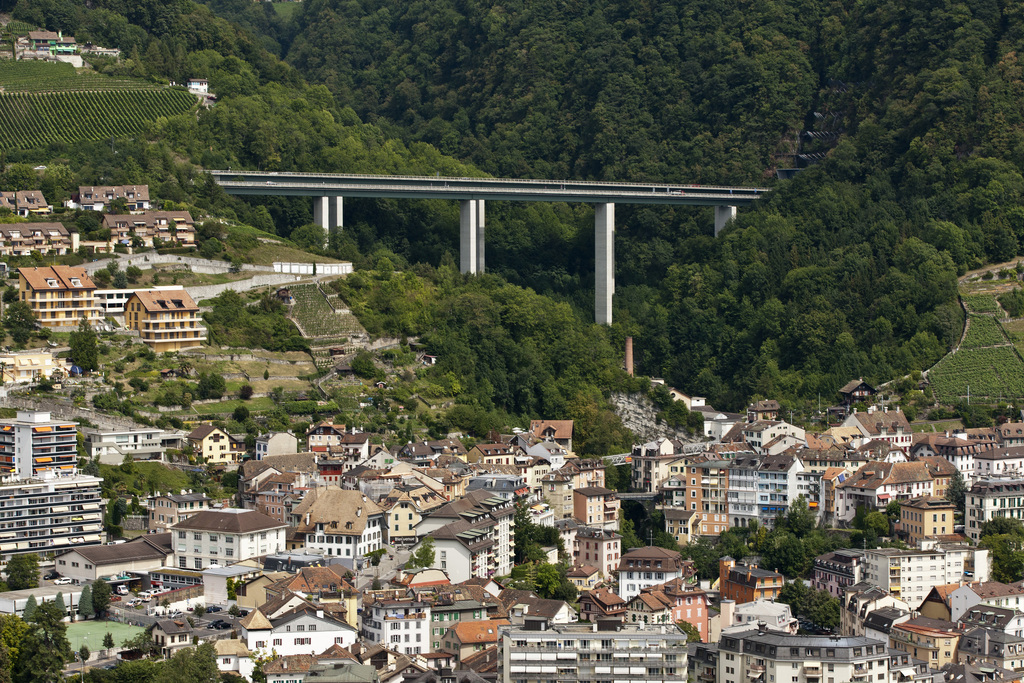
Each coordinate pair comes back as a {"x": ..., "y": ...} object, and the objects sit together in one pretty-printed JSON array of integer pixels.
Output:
[
  {"x": 755, "y": 671},
  {"x": 812, "y": 671}
]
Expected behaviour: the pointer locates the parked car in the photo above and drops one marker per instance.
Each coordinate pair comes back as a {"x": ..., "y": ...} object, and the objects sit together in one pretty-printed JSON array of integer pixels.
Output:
[
  {"x": 212, "y": 608},
  {"x": 134, "y": 602},
  {"x": 219, "y": 624},
  {"x": 62, "y": 581},
  {"x": 51, "y": 575},
  {"x": 122, "y": 590}
]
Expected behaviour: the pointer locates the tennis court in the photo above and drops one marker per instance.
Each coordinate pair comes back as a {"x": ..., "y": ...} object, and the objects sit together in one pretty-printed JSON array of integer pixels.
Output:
[{"x": 91, "y": 633}]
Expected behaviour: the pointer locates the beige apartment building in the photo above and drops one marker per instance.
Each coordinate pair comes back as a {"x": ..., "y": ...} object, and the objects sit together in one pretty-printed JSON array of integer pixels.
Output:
[{"x": 59, "y": 296}]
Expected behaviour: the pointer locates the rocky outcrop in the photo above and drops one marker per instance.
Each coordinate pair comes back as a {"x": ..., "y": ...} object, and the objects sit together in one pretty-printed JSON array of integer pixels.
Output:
[{"x": 639, "y": 414}]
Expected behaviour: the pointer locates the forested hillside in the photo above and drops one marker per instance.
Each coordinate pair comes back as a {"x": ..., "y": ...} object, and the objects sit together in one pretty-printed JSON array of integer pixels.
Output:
[{"x": 848, "y": 270}]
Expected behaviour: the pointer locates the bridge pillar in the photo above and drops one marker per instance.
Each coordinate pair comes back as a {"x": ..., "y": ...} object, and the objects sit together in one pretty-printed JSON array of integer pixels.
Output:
[
  {"x": 723, "y": 215},
  {"x": 469, "y": 216},
  {"x": 337, "y": 219},
  {"x": 480, "y": 235},
  {"x": 604, "y": 259},
  {"x": 321, "y": 212}
]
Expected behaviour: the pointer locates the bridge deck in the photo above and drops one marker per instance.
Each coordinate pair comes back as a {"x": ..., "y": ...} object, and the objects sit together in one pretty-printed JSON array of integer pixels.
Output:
[{"x": 413, "y": 187}]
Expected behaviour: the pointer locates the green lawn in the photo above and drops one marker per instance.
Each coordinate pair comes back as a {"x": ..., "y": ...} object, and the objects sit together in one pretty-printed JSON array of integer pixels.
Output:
[
  {"x": 91, "y": 633},
  {"x": 286, "y": 10},
  {"x": 164, "y": 478}
]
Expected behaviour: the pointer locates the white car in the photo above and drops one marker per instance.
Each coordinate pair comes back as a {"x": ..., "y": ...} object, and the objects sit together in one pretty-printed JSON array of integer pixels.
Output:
[
  {"x": 122, "y": 590},
  {"x": 62, "y": 581}
]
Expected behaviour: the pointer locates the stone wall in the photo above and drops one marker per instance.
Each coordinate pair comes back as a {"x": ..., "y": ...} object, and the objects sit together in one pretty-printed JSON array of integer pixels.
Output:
[
  {"x": 200, "y": 292},
  {"x": 343, "y": 268},
  {"x": 63, "y": 409},
  {"x": 135, "y": 523},
  {"x": 197, "y": 265}
]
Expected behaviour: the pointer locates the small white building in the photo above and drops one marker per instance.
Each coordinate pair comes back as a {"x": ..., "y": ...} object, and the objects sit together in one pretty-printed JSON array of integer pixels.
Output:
[
  {"x": 198, "y": 85},
  {"x": 400, "y": 625},
  {"x": 276, "y": 443},
  {"x": 289, "y": 625}
]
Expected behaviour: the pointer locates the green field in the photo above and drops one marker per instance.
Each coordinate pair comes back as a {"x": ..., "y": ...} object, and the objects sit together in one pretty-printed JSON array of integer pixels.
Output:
[
  {"x": 30, "y": 120},
  {"x": 983, "y": 331},
  {"x": 39, "y": 77},
  {"x": 91, "y": 634},
  {"x": 980, "y": 303},
  {"x": 287, "y": 10}
]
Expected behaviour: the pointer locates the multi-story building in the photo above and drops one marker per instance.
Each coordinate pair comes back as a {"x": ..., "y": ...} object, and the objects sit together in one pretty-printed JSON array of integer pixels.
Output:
[
  {"x": 671, "y": 603},
  {"x": 648, "y": 566},
  {"x": 683, "y": 524},
  {"x": 925, "y": 517},
  {"x": 49, "y": 511},
  {"x": 559, "y": 431},
  {"x": 600, "y": 548},
  {"x": 747, "y": 582},
  {"x": 22, "y": 239},
  {"x": 859, "y": 601},
  {"x": 221, "y": 537},
  {"x": 17, "y": 367},
  {"x": 59, "y": 296},
  {"x": 761, "y": 433},
  {"x": 777, "y": 486},
  {"x": 34, "y": 446},
  {"x": 170, "y": 227},
  {"x": 596, "y": 506},
  {"x": 25, "y": 203},
  {"x": 340, "y": 522},
  {"x": 992, "y": 497},
  {"x": 763, "y": 655},
  {"x": 877, "y": 484},
  {"x": 579, "y": 652},
  {"x": 166, "y": 320},
  {"x": 743, "y": 489},
  {"x": 652, "y": 463},
  {"x": 987, "y": 647},
  {"x": 556, "y": 489},
  {"x": 1001, "y": 461},
  {"x": 956, "y": 448},
  {"x": 98, "y": 198},
  {"x": 290, "y": 625},
  {"x": 776, "y": 616},
  {"x": 881, "y": 425},
  {"x": 707, "y": 484},
  {"x": 405, "y": 507},
  {"x": 401, "y": 625},
  {"x": 910, "y": 574},
  {"x": 836, "y": 571},
  {"x": 110, "y": 446},
  {"x": 480, "y": 506},
  {"x": 167, "y": 509},
  {"x": 930, "y": 640}
]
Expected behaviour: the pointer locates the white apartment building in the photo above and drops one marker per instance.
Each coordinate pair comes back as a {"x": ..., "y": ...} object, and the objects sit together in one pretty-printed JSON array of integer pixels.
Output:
[
  {"x": 579, "y": 652},
  {"x": 400, "y": 625},
  {"x": 222, "y": 537},
  {"x": 990, "y": 497},
  {"x": 777, "y": 486},
  {"x": 761, "y": 433},
  {"x": 768, "y": 656},
  {"x": 289, "y": 625},
  {"x": 33, "y": 445},
  {"x": 474, "y": 507},
  {"x": 340, "y": 523},
  {"x": 1007, "y": 461},
  {"x": 110, "y": 446},
  {"x": 51, "y": 513},
  {"x": 743, "y": 489},
  {"x": 911, "y": 574}
]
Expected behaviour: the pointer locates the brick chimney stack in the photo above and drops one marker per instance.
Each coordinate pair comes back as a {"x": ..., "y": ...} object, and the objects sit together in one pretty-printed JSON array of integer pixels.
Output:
[{"x": 629, "y": 356}]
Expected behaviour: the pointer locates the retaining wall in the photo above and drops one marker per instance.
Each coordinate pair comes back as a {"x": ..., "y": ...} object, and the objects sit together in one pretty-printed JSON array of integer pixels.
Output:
[{"x": 343, "y": 268}]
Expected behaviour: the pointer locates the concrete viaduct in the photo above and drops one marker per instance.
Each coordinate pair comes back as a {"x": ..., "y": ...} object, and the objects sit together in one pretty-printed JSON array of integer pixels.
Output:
[{"x": 328, "y": 190}]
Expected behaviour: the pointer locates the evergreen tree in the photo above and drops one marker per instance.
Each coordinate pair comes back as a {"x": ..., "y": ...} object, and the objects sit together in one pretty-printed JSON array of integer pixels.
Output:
[
  {"x": 956, "y": 491},
  {"x": 47, "y": 650},
  {"x": 30, "y": 608},
  {"x": 85, "y": 607},
  {"x": 61, "y": 605},
  {"x": 84, "y": 351},
  {"x": 100, "y": 597},
  {"x": 108, "y": 641}
]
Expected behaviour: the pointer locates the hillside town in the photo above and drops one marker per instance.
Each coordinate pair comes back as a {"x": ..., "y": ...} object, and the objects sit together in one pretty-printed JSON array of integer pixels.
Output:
[{"x": 340, "y": 559}]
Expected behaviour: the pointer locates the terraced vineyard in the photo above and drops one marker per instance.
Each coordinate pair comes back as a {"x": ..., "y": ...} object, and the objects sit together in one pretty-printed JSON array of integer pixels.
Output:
[
  {"x": 980, "y": 303},
  {"x": 30, "y": 120},
  {"x": 983, "y": 331},
  {"x": 991, "y": 373},
  {"x": 40, "y": 77},
  {"x": 316, "y": 317}
]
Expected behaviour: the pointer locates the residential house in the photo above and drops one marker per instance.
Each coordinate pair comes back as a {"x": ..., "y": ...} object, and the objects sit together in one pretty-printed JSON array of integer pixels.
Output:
[
  {"x": 886, "y": 425},
  {"x": 559, "y": 431},
  {"x": 110, "y": 446},
  {"x": 999, "y": 461},
  {"x": 856, "y": 391},
  {"x": 21, "y": 367},
  {"x": 478, "y": 507},
  {"x": 602, "y": 605},
  {"x": 929, "y": 640},
  {"x": 290, "y": 625},
  {"x": 707, "y": 484},
  {"x": 876, "y": 484},
  {"x": 584, "y": 577},
  {"x": 557, "y": 490},
  {"x": 98, "y": 198},
  {"x": 400, "y": 624},
  {"x": 601, "y": 548},
  {"x": 167, "y": 509},
  {"x": 648, "y": 566},
  {"x": 340, "y": 523},
  {"x": 492, "y": 454},
  {"x": 672, "y": 602},
  {"x": 985, "y": 647},
  {"x": 763, "y": 410},
  {"x": 225, "y": 536},
  {"x": 276, "y": 443},
  {"x": 171, "y": 635},
  {"x": 745, "y": 583},
  {"x": 651, "y": 464},
  {"x": 405, "y": 506},
  {"x": 215, "y": 445},
  {"x": 596, "y": 506},
  {"x": 991, "y": 497},
  {"x": 321, "y": 436},
  {"x": 169, "y": 227},
  {"x": 59, "y": 296},
  {"x": 25, "y": 203},
  {"x": 990, "y": 593},
  {"x": 925, "y": 517},
  {"x": 683, "y": 525},
  {"x": 762, "y": 434},
  {"x": 774, "y": 616},
  {"x": 166, "y": 320},
  {"x": 836, "y": 571}
]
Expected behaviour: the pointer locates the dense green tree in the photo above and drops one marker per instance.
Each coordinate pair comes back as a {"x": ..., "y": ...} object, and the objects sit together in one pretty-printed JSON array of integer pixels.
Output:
[
  {"x": 100, "y": 597},
  {"x": 31, "y": 605},
  {"x": 19, "y": 321},
  {"x": 423, "y": 557},
  {"x": 46, "y": 648},
  {"x": 956, "y": 491},
  {"x": 84, "y": 351},
  {"x": 23, "y": 571},
  {"x": 85, "y": 606},
  {"x": 191, "y": 665}
]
